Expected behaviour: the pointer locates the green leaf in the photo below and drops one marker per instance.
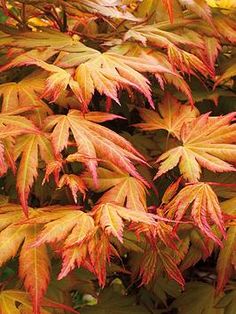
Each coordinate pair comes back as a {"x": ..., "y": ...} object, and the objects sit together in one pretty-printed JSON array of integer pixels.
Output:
[
  {"x": 197, "y": 298},
  {"x": 112, "y": 301}
]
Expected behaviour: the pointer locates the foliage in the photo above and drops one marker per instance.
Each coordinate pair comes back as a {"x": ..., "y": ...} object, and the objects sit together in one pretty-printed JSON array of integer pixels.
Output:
[{"x": 117, "y": 156}]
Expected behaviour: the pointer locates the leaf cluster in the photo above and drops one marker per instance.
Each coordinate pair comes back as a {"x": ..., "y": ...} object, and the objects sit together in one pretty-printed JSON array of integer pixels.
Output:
[{"x": 117, "y": 156}]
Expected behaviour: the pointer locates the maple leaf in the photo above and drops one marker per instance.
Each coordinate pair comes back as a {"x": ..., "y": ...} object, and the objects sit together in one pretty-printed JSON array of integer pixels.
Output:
[
  {"x": 109, "y": 71},
  {"x": 18, "y": 302},
  {"x": 73, "y": 257},
  {"x": 29, "y": 146},
  {"x": 118, "y": 303},
  {"x": 226, "y": 27},
  {"x": 169, "y": 5},
  {"x": 147, "y": 8},
  {"x": 93, "y": 141},
  {"x": 66, "y": 223},
  {"x": 108, "y": 8},
  {"x": 198, "y": 246},
  {"x": 120, "y": 188},
  {"x": 171, "y": 117},
  {"x": 11, "y": 235},
  {"x": 100, "y": 251},
  {"x": 33, "y": 263},
  {"x": 223, "y": 4},
  {"x": 204, "y": 298},
  {"x": 12, "y": 125},
  {"x": 27, "y": 57},
  {"x": 158, "y": 37},
  {"x": 226, "y": 262},
  {"x": 150, "y": 261},
  {"x": 81, "y": 243},
  {"x": 53, "y": 167},
  {"x": 9, "y": 300},
  {"x": 200, "y": 7},
  {"x": 148, "y": 266},
  {"x": 3, "y": 164},
  {"x": 188, "y": 62},
  {"x": 34, "y": 269},
  {"x": 111, "y": 221},
  {"x": 25, "y": 93},
  {"x": 99, "y": 117},
  {"x": 170, "y": 192},
  {"x": 9, "y": 131},
  {"x": 56, "y": 82},
  {"x": 223, "y": 184},
  {"x": 228, "y": 302},
  {"x": 179, "y": 57},
  {"x": 160, "y": 231},
  {"x": 181, "y": 85},
  {"x": 212, "y": 49},
  {"x": 110, "y": 215},
  {"x": 228, "y": 73},
  {"x": 156, "y": 57},
  {"x": 204, "y": 206},
  {"x": 7, "y": 140},
  {"x": 5, "y": 39},
  {"x": 163, "y": 287},
  {"x": 206, "y": 142},
  {"x": 170, "y": 267},
  {"x": 92, "y": 254},
  {"x": 75, "y": 183},
  {"x": 49, "y": 38},
  {"x": 13, "y": 118}
]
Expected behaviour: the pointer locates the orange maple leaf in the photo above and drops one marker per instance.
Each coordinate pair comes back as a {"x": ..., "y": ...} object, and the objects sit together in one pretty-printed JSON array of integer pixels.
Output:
[
  {"x": 204, "y": 207},
  {"x": 207, "y": 142}
]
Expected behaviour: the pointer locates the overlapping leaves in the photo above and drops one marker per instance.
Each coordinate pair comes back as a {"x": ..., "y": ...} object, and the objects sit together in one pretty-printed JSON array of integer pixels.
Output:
[
  {"x": 94, "y": 48},
  {"x": 93, "y": 141},
  {"x": 37, "y": 260}
]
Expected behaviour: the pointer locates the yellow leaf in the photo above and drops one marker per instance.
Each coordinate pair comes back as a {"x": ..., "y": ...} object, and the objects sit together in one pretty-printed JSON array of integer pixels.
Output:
[
  {"x": 62, "y": 223},
  {"x": 226, "y": 262},
  {"x": 207, "y": 142},
  {"x": 93, "y": 141},
  {"x": 110, "y": 216},
  {"x": 29, "y": 146},
  {"x": 9, "y": 300},
  {"x": 122, "y": 189},
  {"x": 34, "y": 265},
  {"x": 172, "y": 116},
  {"x": 75, "y": 183},
  {"x": 204, "y": 206},
  {"x": 222, "y": 4}
]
